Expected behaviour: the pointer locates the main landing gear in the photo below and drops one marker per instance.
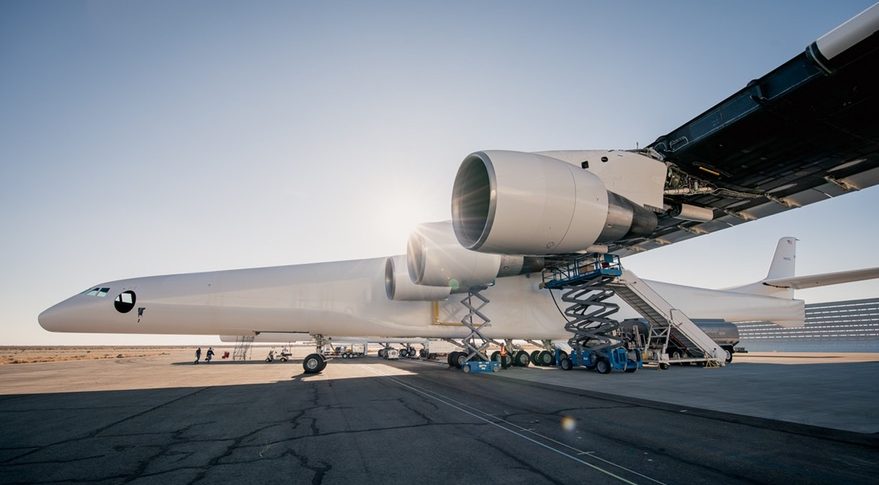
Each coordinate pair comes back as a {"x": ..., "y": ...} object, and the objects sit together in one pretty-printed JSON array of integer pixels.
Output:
[{"x": 315, "y": 363}]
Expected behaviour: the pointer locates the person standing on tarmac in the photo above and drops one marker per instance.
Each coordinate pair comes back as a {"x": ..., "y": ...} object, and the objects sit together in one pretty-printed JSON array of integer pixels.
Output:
[
  {"x": 197, "y": 355},
  {"x": 209, "y": 355},
  {"x": 504, "y": 361}
]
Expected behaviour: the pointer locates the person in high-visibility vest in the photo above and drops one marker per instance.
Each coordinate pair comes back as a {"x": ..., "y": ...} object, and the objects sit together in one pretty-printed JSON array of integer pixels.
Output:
[{"x": 504, "y": 361}]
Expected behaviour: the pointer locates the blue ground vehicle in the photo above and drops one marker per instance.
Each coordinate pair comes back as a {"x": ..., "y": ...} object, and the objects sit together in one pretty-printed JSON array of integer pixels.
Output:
[
  {"x": 477, "y": 366},
  {"x": 602, "y": 361}
]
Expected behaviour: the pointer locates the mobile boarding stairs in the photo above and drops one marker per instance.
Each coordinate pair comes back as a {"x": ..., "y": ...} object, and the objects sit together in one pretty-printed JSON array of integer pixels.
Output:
[{"x": 588, "y": 281}]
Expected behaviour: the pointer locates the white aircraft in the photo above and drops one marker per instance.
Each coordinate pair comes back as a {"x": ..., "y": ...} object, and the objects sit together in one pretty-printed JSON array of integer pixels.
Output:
[{"x": 805, "y": 132}]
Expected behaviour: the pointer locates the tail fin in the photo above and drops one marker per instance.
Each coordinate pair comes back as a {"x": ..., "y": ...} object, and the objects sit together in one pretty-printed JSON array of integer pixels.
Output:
[
  {"x": 783, "y": 266},
  {"x": 785, "y": 259}
]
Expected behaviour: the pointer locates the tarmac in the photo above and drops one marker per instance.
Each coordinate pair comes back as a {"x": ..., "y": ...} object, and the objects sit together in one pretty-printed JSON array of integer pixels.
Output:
[
  {"x": 836, "y": 391},
  {"x": 165, "y": 420}
]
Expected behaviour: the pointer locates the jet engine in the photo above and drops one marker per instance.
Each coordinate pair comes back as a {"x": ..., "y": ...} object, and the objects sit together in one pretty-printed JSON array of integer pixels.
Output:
[
  {"x": 435, "y": 258},
  {"x": 399, "y": 287},
  {"x": 528, "y": 203}
]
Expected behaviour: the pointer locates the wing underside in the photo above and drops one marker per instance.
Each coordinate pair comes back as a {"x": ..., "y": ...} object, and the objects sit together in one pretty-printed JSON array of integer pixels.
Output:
[{"x": 805, "y": 132}]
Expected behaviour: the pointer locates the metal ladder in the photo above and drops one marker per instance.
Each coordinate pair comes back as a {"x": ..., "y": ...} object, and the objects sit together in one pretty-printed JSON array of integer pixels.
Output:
[
  {"x": 666, "y": 323},
  {"x": 242, "y": 347}
]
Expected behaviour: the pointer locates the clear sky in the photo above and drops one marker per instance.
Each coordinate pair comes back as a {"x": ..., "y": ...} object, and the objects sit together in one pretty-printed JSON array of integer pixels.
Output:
[{"x": 153, "y": 137}]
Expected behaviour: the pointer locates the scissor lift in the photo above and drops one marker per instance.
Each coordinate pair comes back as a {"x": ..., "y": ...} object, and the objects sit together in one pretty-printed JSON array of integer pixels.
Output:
[{"x": 587, "y": 282}]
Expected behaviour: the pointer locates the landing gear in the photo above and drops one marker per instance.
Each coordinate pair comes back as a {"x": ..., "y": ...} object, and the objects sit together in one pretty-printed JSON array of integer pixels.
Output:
[
  {"x": 522, "y": 359},
  {"x": 314, "y": 363},
  {"x": 544, "y": 358},
  {"x": 534, "y": 356}
]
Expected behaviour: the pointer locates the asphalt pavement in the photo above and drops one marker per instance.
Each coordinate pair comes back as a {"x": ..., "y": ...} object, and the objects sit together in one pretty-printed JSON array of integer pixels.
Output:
[{"x": 372, "y": 421}]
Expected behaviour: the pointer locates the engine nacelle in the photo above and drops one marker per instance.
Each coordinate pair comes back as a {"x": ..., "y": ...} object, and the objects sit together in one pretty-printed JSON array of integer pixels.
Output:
[
  {"x": 399, "y": 287},
  {"x": 527, "y": 203},
  {"x": 435, "y": 258}
]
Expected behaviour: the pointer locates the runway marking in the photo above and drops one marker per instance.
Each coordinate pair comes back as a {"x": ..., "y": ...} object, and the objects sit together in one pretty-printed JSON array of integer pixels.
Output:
[
  {"x": 579, "y": 451},
  {"x": 445, "y": 400}
]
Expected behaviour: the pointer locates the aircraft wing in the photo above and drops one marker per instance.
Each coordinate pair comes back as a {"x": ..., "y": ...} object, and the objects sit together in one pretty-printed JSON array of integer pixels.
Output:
[
  {"x": 813, "y": 281},
  {"x": 805, "y": 132}
]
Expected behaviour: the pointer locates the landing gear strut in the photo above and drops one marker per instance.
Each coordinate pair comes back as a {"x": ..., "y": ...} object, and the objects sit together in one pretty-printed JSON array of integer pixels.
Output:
[{"x": 315, "y": 363}]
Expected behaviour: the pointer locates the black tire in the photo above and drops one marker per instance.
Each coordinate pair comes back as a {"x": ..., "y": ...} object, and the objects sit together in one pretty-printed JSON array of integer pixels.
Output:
[
  {"x": 534, "y": 356},
  {"x": 283, "y": 359},
  {"x": 424, "y": 353},
  {"x": 664, "y": 365},
  {"x": 495, "y": 356},
  {"x": 602, "y": 366},
  {"x": 545, "y": 358},
  {"x": 381, "y": 353},
  {"x": 460, "y": 359},
  {"x": 313, "y": 364},
  {"x": 566, "y": 364},
  {"x": 522, "y": 358},
  {"x": 506, "y": 361},
  {"x": 563, "y": 354},
  {"x": 631, "y": 366},
  {"x": 323, "y": 365},
  {"x": 452, "y": 358},
  {"x": 729, "y": 353}
]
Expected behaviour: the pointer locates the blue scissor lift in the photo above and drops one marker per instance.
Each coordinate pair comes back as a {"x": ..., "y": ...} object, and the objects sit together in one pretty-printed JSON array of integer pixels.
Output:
[{"x": 583, "y": 281}]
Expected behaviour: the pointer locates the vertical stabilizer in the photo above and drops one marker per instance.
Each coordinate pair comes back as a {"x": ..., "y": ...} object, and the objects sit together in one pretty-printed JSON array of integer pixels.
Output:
[
  {"x": 783, "y": 266},
  {"x": 785, "y": 259}
]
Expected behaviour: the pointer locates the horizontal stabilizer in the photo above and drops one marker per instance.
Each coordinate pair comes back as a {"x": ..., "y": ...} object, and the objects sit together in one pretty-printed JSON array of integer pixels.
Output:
[{"x": 813, "y": 281}]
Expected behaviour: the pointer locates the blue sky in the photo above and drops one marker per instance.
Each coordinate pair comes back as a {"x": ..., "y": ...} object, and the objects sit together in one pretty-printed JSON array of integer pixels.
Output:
[{"x": 142, "y": 138}]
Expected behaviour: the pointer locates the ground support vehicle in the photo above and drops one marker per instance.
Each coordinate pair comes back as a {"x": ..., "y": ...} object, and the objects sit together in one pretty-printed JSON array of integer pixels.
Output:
[{"x": 602, "y": 360}]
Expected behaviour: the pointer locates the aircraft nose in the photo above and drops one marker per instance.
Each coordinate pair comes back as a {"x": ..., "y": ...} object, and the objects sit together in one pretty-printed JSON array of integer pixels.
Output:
[{"x": 52, "y": 318}]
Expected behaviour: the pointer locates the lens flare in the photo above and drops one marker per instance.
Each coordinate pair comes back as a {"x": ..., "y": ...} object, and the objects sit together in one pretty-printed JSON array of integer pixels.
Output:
[{"x": 569, "y": 423}]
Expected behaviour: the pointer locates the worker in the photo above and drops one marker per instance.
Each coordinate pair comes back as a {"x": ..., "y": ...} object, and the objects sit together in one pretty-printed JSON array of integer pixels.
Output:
[
  {"x": 197, "y": 355},
  {"x": 209, "y": 355},
  {"x": 504, "y": 361}
]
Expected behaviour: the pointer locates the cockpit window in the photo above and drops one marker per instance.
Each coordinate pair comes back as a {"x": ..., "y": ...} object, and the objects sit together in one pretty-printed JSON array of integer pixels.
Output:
[
  {"x": 125, "y": 301},
  {"x": 101, "y": 292}
]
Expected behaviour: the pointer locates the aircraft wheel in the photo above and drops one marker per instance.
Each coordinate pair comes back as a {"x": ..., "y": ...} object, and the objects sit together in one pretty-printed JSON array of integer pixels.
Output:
[
  {"x": 602, "y": 366},
  {"x": 452, "y": 357},
  {"x": 495, "y": 356},
  {"x": 534, "y": 355},
  {"x": 663, "y": 365},
  {"x": 506, "y": 361},
  {"x": 283, "y": 359},
  {"x": 381, "y": 352},
  {"x": 544, "y": 358},
  {"x": 729, "y": 354},
  {"x": 522, "y": 359},
  {"x": 566, "y": 364},
  {"x": 563, "y": 354},
  {"x": 313, "y": 364},
  {"x": 460, "y": 359}
]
